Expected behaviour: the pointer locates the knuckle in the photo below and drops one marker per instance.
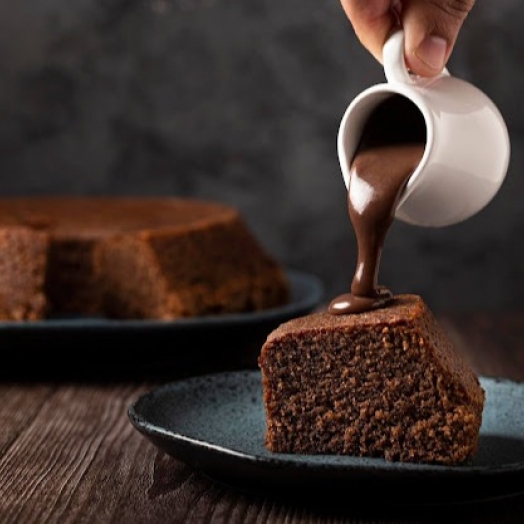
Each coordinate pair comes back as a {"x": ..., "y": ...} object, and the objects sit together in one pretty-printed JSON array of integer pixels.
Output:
[{"x": 457, "y": 9}]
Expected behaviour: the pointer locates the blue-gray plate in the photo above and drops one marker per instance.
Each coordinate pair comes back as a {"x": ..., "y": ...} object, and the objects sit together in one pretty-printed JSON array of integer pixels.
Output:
[
  {"x": 216, "y": 423},
  {"x": 183, "y": 346}
]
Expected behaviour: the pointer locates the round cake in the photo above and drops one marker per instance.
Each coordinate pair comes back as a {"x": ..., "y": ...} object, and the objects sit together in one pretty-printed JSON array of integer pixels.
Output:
[{"x": 140, "y": 257}]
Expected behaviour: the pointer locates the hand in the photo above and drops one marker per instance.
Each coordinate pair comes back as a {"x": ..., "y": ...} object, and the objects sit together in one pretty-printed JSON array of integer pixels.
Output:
[{"x": 430, "y": 28}]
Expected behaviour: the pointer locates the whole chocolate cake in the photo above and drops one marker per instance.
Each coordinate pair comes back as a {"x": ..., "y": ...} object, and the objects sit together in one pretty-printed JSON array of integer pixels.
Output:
[
  {"x": 133, "y": 257},
  {"x": 383, "y": 383}
]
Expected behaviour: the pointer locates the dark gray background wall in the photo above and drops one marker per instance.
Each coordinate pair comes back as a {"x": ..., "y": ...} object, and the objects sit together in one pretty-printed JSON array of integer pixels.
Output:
[{"x": 240, "y": 101}]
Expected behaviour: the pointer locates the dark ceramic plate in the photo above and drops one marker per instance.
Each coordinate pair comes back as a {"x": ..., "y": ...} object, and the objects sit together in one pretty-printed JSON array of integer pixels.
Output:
[
  {"x": 216, "y": 423},
  {"x": 208, "y": 344}
]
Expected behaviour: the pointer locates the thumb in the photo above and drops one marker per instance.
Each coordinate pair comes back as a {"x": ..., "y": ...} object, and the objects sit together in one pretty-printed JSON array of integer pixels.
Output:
[{"x": 431, "y": 29}]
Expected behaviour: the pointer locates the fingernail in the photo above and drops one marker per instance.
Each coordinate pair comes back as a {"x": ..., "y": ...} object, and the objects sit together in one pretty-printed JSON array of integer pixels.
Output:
[{"x": 432, "y": 51}]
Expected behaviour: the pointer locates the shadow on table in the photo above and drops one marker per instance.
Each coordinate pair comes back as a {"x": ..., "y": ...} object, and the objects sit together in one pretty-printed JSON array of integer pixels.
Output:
[
  {"x": 370, "y": 506},
  {"x": 156, "y": 352},
  {"x": 334, "y": 502}
]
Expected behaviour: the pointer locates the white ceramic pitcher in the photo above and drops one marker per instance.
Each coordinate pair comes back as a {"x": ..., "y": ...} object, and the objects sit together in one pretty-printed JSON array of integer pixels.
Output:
[{"x": 467, "y": 145}]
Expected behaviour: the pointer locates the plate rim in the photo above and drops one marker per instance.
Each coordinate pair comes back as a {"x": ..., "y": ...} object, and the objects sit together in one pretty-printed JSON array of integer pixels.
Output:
[{"x": 311, "y": 282}]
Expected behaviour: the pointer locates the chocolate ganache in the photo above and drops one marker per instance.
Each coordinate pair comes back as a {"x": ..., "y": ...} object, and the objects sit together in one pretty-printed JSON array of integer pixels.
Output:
[{"x": 390, "y": 148}]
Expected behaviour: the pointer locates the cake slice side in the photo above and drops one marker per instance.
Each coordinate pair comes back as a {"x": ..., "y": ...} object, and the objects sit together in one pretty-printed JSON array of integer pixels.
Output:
[{"x": 387, "y": 383}]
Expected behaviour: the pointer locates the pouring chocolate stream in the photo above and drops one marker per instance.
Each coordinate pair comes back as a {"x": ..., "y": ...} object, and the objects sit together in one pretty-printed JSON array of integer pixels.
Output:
[{"x": 390, "y": 148}]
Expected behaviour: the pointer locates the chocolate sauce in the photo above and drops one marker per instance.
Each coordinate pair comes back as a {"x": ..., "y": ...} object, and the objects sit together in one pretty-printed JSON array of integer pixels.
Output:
[{"x": 390, "y": 149}]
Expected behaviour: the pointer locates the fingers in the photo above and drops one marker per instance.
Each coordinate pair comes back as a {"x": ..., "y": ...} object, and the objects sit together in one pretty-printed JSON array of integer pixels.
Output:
[
  {"x": 431, "y": 28},
  {"x": 372, "y": 21}
]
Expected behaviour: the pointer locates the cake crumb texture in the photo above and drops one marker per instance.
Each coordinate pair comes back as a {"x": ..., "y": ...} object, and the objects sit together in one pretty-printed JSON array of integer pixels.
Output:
[
  {"x": 386, "y": 383},
  {"x": 23, "y": 264}
]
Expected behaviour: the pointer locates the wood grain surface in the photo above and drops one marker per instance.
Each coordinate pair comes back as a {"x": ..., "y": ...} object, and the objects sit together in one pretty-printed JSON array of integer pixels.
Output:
[{"x": 68, "y": 453}]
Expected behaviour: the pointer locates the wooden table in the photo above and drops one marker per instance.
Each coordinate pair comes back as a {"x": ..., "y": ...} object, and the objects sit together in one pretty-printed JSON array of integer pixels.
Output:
[{"x": 68, "y": 453}]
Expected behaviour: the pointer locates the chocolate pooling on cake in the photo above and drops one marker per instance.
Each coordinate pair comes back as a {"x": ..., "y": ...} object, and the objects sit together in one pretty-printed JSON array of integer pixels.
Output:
[{"x": 390, "y": 148}]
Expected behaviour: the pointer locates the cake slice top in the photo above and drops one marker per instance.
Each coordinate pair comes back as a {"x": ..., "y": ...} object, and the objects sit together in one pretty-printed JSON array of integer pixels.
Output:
[{"x": 403, "y": 309}]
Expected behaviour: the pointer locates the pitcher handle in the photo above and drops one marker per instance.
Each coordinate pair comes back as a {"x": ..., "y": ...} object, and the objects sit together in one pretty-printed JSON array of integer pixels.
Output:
[{"x": 394, "y": 63}]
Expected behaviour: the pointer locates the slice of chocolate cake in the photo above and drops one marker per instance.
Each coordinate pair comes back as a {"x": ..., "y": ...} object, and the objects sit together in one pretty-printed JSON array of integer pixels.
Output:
[{"x": 385, "y": 383}]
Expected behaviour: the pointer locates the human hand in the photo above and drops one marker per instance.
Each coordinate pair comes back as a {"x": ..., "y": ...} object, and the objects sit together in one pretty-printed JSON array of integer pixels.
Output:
[{"x": 431, "y": 28}]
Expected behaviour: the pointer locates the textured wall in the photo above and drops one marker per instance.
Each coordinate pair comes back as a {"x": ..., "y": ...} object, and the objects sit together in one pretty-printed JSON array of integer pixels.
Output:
[{"x": 240, "y": 101}]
